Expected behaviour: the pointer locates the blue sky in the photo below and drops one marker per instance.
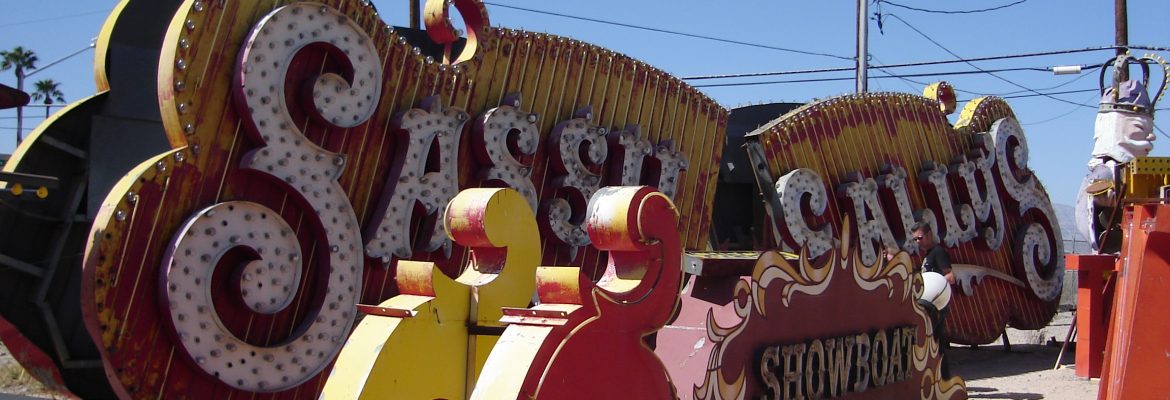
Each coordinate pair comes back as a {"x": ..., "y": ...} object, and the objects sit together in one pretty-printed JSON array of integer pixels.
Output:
[{"x": 1059, "y": 132}]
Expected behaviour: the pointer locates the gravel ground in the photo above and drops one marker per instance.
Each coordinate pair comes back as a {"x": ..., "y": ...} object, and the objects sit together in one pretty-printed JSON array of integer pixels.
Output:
[{"x": 1024, "y": 372}]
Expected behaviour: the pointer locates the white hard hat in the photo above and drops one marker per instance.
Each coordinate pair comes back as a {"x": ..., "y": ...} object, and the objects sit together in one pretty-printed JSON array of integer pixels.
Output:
[{"x": 936, "y": 289}]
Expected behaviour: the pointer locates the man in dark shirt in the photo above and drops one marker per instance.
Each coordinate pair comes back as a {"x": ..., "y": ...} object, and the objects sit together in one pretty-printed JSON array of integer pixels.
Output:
[{"x": 937, "y": 260}]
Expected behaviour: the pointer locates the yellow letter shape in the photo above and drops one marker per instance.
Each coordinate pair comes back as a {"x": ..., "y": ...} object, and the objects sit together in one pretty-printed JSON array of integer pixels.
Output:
[
  {"x": 432, "y": 339},
  {"x": 587, "y": 340}
]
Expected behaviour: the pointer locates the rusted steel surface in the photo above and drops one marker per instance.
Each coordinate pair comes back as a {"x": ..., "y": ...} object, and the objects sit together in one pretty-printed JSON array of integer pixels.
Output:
[
  {"x": 971, "y": 179},
  {"x": 353, "y": 161}
]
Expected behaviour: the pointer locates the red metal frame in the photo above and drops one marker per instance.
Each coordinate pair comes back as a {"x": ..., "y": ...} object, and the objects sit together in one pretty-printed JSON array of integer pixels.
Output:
[
  {"x": 1092, "y": 309},
  {"x": 1138, "y": 349}
]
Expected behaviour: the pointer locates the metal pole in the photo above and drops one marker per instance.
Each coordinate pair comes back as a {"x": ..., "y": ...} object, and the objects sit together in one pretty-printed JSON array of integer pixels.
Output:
[
  {"x": 20, "y": 86},
  {"x": 1121, "y": 34},
  {"x": 863, "y": 44},
  {"x": 19, "y": 110},
  {"x": 79, "y": 51},
  {"x": 415, "y": 14}
]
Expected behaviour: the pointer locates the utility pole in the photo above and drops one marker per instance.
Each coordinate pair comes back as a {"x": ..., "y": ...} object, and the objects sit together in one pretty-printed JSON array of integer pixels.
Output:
[
  {"x": 21, "y": 75},
  {"x": 1121, "y": 35},
  {"x": 863, "y": 44},
  {"x": 19, "y": 110},
  {"x": 415, "y": 14}
]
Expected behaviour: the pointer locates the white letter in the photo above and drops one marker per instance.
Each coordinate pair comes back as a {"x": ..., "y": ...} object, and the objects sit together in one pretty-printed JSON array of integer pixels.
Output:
[
  {"x": 792, "y": 188},
  {"x": 409, "y": 183}
]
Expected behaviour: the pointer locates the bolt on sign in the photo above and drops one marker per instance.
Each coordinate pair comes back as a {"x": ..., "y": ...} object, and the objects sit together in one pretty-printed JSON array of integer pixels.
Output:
[
  {"x": 315, "y": 149},
  {"x": 884, "y": 161}
]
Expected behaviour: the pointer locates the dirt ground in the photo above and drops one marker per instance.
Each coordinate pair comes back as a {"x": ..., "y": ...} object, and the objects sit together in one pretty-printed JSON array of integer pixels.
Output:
[
  {"x": 1024, "y": 372},
  {"x": 16, "y": 384}
]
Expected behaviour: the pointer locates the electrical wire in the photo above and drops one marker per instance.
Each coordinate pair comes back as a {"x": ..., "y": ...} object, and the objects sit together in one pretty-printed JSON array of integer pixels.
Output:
[
  {"x": 1161, "y": 131},
  {"x": 947, "y": 73},
  {"x": 1146, "y": 48},
  {"x": 1053, "y": 94},
  {"x": 914, "y": 64},
  {"x": 880, "y": 2},
  {"x": 936, "y": 43},
  {"x": 57, "y": 18},
  {"x": 690, "y": 35},
  {"x": 908, "y": 81},
  {"x": 938, "y": 62},
  {"x": 1007, "y": 95},
  {"x": 1066, "y": 83},
  {"x": 1073, "y": 110},
  {"x": 905, "y": 81}
]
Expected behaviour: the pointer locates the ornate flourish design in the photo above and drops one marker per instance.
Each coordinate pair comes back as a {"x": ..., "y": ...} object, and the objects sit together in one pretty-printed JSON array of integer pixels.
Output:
[{"x": 730, "y": 377}]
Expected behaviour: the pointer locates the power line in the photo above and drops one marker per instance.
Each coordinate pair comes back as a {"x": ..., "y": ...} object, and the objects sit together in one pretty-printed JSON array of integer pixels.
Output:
[
  {"x": 691, "y": 35},
  {"x": 914, "y": 64},
  {"x": 946, "y": 73},
  {"x": 905, "y": 81},
  {"x": 1049, "y": 94},
  {"x": 36, "y": 21},
  {"x": 1073, "y": 110},
  {"x": 1003, "y": 95},
  {"x": 1079, "y": 77},
  {"x": 1146, "y": 48},
  {"x": 880, "y": 2},
  {"x": 1161, "y": 131},
  {"x": 936, "y": 43},
  {"x": 1009, "y": 95}
]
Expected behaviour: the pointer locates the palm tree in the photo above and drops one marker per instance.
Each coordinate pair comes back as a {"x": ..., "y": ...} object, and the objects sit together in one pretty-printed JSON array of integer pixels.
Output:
[
  {"x": 18, "y": 59},
  {"x": 47, "y": 90}
]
